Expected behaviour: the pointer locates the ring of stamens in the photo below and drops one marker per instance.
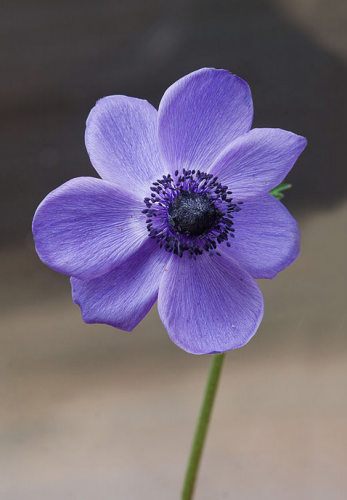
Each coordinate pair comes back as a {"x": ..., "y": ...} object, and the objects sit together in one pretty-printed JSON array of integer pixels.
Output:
[{"x": 190, "y": 212}]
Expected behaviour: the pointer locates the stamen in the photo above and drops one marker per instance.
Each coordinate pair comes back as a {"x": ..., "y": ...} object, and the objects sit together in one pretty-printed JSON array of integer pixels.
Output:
[{"x": 190, "y": 213}]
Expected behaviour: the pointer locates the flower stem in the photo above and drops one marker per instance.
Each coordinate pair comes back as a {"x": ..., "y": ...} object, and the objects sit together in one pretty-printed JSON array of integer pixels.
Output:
[{"x": 202, "y": 426}]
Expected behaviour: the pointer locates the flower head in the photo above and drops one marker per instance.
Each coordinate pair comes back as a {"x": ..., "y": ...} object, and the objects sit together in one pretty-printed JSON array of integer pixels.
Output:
[{"x": 182, "y": 213}]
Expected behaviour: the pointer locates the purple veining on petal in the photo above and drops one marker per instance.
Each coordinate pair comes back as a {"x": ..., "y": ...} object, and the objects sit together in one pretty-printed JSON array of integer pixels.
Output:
[
  {"x": 258, "y": 161},
  {"x": 121, "y": 140},
  {"x": 122, "y": 297},
  {"x": 200, "y": 115},
  {"x": 267, "y": 237},
  {"x": 209, "y": 305},
  {"x": 86, "y": 227}
]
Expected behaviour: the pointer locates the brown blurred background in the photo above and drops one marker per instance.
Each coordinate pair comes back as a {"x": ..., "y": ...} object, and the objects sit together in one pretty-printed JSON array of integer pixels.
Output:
[{"x": 92, "y": 413}]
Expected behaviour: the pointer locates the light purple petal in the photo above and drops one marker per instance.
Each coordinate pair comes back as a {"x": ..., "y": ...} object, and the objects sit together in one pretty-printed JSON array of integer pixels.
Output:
[
  {"x": 267, "y": 237},
  {"x": 209, "y": 305},
  {"x": 121, "y": 140},
  {"x": 123, "y": 297},
  {"x": 257, "y": 161},
  {"x": 200, "y": 115},
  {"x": 87, "y": 226}
]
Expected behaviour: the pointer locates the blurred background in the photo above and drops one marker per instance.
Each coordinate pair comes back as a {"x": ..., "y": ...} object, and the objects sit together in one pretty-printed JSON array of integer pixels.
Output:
[{"x": 89, "y": 412}]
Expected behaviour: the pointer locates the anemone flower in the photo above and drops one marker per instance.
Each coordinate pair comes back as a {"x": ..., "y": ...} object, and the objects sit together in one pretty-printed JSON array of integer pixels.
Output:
[{"x": 181, "y": 214}]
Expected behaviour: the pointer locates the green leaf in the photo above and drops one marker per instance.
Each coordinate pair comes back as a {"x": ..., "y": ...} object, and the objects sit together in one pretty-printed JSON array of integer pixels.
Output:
[{"x": 277, "y": 191}]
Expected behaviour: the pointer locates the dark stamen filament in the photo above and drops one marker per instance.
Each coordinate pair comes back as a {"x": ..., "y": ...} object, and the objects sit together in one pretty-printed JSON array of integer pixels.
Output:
[{"x": 190, "y": 212}]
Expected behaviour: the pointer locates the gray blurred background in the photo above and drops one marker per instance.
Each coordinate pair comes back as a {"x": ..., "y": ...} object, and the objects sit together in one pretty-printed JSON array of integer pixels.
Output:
[{"x": 92, "y": 413}]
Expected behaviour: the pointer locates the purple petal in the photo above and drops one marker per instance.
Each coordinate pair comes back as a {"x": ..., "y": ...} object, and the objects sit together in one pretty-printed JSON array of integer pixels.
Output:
[
  {"x": 209, "y": 305},
  {"x": 87, "y": 226},
  {"x": 267, "y": 237},
  {"x": 121, "y": 140},
  {"x": 123, "y": 297},
  {"x": 200, "y": 115},
  {"x": 258, "y": 161}
]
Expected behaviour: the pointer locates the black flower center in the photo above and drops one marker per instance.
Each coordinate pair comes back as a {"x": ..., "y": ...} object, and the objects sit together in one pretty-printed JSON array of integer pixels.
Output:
[{"x": 192, "y": 213}]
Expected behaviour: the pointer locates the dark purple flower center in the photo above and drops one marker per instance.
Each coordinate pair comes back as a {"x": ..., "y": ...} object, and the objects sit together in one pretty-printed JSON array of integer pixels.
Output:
[{"x": 191, "y": 212}]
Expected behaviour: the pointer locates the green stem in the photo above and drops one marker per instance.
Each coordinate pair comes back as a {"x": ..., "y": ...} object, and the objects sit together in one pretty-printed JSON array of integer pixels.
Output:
[{"x": 202, "y": 426}]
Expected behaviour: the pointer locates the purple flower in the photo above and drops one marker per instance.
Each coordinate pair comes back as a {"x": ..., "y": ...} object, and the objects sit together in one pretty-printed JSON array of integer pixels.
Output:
[{"x": 182, "y": 213}]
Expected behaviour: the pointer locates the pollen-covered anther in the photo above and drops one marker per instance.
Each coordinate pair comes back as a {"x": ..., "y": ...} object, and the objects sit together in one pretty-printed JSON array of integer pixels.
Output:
[{"x": 190, "y": 212}]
